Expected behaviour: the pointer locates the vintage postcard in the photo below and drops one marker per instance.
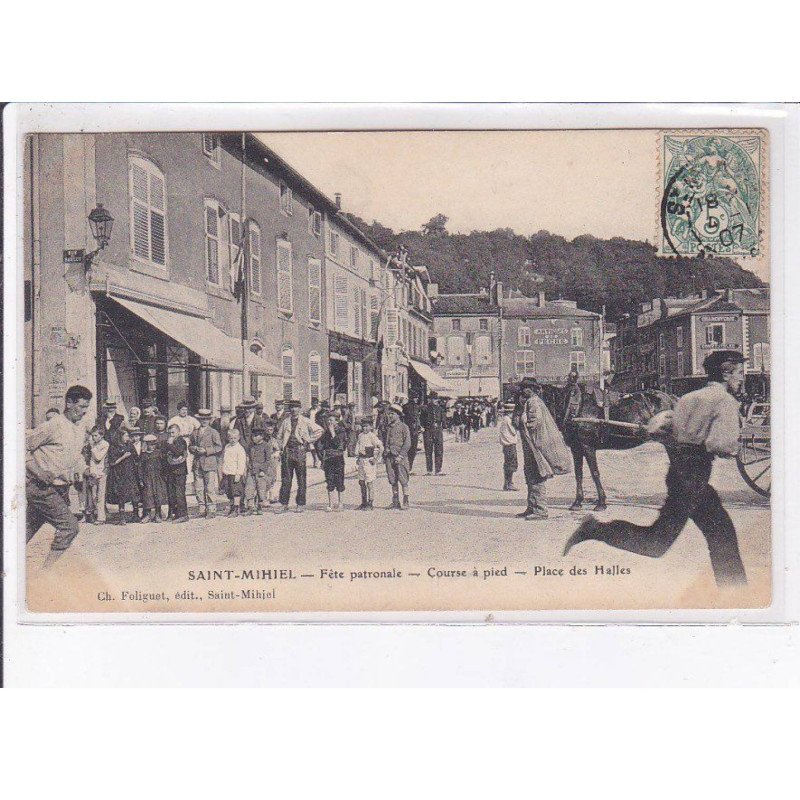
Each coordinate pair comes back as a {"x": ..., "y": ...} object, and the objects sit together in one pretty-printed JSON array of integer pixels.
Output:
[{"x": 395, "y": 370}]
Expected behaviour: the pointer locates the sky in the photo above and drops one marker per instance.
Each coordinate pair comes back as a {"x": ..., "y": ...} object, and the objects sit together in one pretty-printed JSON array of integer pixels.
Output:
[{"x": 603, "y": 183}]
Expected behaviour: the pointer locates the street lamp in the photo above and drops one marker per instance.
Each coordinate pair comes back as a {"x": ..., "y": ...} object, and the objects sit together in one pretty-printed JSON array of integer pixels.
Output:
[{"x": 101, "y": 223}]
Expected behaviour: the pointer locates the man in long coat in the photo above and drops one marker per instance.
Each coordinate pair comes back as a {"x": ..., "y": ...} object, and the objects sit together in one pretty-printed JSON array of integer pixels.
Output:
[{"x": 544, "y": 454}]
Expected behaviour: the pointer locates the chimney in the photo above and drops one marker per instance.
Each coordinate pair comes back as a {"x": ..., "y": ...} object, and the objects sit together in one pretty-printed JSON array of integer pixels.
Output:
[
  {"x": 338, "y": 198},
  {"x": 729, "y": 295},
  {"x": 541, "y": 300},
  {"x": 433, "y": 290},
  {"x": 498, "y": 300}
]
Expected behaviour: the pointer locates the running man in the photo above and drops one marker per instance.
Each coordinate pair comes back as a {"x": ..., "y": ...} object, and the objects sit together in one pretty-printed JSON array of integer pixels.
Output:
[
  {"x": 53, "y": 460},
  {"x": 705, "y": 424}
]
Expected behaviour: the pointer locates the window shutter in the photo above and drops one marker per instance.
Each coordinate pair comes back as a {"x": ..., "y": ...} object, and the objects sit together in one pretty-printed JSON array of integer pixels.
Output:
[
  {"x": 158, "y": 252},
  {"x": 148, "y": 213},
  {"x": 364, "y": 317},
  {"x": 287, "y": 364},
  {"x": 141, "y": 226},
  {"x": 212, "y": 244},
  {"x": 391, "y": 327},
  {"x": 375, "y": 318},
  {"x": 285, "y": 277},
  {"x": 157, "y": 221},
  {"x": 314, "y": 375},
  {"x": 455, "y": 350},
  {"x": 340, "y": 308},
  {"x": 357, "y": 311},
  {"x": 314, "y": 290},
  {"x": 255, "y": 260}
]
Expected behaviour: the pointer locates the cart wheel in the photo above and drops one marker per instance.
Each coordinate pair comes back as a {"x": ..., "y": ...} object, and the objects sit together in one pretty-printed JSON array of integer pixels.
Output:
[{"x": 754, "y": 460}]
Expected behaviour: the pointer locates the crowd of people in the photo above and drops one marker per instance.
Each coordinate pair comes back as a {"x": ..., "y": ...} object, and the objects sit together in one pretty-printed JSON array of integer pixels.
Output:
[{"x": 140, "y": 467}]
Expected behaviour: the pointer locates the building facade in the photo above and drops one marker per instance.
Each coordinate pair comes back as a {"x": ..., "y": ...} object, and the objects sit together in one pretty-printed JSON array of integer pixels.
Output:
[
  {"x": 663, "y": 346},
  {"x": 467, "y": 342},
  {"x": 356, "y": 275},
  {"x": 546, "y": 339},
  {"x": 211, "y": 286}
]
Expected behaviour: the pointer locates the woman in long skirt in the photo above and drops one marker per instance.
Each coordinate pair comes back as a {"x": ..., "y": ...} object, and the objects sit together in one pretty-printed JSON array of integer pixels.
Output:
[{"x": 123, "y": 475}]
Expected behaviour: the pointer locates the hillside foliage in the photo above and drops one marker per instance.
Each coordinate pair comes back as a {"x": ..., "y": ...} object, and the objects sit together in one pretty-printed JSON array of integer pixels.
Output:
[{"x": 617, "y": 273}]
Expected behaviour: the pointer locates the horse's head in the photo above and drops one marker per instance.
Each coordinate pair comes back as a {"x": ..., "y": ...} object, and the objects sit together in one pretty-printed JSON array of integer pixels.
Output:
[{"x": 554, "y": 398}]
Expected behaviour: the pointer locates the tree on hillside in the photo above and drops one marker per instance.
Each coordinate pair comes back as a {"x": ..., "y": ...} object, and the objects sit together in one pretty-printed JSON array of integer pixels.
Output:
[{"x": 436, "y": 226}]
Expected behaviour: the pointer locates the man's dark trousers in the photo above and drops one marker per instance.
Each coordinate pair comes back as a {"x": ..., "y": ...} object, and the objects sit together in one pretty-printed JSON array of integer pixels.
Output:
[
  {"x": 689, "y": 496},
  {"x": 293, "y": 463},
  {"x": 47, "y": 503},
  {"x": 433, "y": 439}
]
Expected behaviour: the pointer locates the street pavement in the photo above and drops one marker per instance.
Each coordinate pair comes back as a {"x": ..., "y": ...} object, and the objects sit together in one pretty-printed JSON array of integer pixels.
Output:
[{"x": 459, "y": 547}]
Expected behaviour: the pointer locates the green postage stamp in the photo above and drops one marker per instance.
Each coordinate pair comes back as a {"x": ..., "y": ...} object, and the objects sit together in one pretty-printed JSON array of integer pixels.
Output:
[{"x": 712, "y": 192}]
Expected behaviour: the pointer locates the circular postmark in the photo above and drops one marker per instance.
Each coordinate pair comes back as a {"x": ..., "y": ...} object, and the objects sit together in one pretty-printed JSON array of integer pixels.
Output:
[{"x": 712, "y": 196}]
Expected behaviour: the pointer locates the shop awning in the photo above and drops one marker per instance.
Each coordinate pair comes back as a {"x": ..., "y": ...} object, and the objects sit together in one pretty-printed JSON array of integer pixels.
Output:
[
  {"x": 202, "y": 337},
  {"x": 428, "y": 375}
]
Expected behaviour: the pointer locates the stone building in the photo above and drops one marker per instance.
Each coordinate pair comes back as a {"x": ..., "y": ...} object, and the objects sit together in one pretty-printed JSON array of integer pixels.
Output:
[{"x": 159, "y": 311}]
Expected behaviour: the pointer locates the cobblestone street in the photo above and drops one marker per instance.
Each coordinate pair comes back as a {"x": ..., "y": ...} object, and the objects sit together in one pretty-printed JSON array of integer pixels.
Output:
[{"x": 459, "y": 546}]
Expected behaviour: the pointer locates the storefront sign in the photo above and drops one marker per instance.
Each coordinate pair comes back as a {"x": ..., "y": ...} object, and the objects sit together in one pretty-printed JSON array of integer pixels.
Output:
[{"x": 551, "y": 341}]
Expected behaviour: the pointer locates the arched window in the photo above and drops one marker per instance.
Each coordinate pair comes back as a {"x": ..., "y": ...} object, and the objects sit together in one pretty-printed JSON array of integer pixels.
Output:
[
  {"x": 314, "y": 375},
  {"x": 287, "y": 363},
  {"x": 148, "y": 212}
]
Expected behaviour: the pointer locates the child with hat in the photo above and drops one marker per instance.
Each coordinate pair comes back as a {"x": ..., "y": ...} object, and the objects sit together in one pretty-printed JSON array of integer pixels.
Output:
[
  {"x": 369, "y": 450},
  {"x": 260, "y": 470},
  {"x": 151, "y": 477}
]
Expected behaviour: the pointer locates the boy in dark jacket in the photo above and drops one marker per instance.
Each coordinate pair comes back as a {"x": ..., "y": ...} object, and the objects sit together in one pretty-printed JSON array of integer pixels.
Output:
[
  {"x": 258, "y": 465},
  {"x": 174, "y": 453}
]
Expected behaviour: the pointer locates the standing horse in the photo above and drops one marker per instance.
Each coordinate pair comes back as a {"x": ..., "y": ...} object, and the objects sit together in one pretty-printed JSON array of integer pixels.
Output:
[{"x": 584, "y": 439}]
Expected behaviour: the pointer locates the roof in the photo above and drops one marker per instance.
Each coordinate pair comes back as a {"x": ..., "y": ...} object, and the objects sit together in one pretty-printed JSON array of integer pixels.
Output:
[
  {"x": 276, "y": 164},
  {"x": 708, "y": 305},
  {"x": 528, "y": 307},
  {"x": 456, "y": 304},
  {"x": 752, "y": 299}
]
